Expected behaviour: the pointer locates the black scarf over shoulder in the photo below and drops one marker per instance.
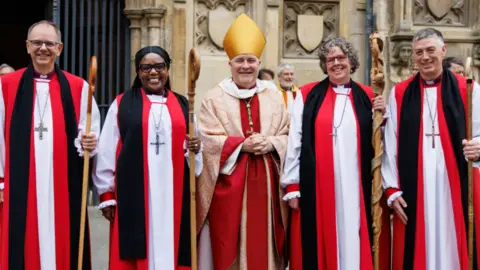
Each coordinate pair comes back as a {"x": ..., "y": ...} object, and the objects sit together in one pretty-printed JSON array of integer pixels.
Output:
[
  {"x": 408, "y": 145},
  {"x": 20, "y": 138},
  {"x": 130, "y": 181},
  {"x": 308, "y": 180}
]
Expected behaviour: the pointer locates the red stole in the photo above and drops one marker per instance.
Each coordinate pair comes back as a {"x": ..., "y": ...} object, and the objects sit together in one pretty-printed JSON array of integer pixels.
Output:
[
  {"x": 178, "y": 137},
  {"x": 326, "y": 217},
  {"x": 60, "y": 174}
]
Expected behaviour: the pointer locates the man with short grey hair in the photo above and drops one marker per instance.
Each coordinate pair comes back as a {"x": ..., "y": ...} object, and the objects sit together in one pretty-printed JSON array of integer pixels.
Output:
[
  {"x": 43, "y": 112},
  {"x": 425, "y": 160},
  {"x": 5, "y": 69},
  {"x": 286, "y": 78}
]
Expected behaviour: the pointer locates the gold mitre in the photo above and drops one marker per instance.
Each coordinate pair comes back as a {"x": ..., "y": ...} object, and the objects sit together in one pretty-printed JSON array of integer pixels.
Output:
[{"x": 244, "y": 37}]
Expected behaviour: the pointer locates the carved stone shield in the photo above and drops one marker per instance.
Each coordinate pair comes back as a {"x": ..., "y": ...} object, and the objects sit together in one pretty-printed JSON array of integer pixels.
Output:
[
  {"x": 310, "y": 31},
  {"x": 439, "y": 8},
  {"x": 219, "y": 20}
]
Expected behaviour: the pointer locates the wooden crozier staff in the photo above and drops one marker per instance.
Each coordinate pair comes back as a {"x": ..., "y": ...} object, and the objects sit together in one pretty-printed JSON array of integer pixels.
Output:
[
  {"x": 92, "y": 78},
  {"x": 193, "y": 73},
  {"x": 468, "y": 73},
  {"x": 378, "y": 85}
]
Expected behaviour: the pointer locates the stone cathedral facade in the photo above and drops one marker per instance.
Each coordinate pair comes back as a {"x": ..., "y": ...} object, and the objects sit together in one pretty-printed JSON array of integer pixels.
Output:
[{"x": 294, "y": 30}]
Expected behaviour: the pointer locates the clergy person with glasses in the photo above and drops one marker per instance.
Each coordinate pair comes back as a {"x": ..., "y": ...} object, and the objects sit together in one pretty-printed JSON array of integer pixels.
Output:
[
  {"x": 42, "y": 142},
  {"x": 142, "y": 170},
  {"x": 327, "y": 171}
]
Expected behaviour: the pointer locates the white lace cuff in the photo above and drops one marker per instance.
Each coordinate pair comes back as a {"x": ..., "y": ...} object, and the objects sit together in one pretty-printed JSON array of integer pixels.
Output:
[
  {"x": 291, "y": 195},
  {"x": 80, "y": 150},
  {"x": 393, "y": 197},
  {"x": 107, "y": 204},
  {"x": 2, "y": 186}
]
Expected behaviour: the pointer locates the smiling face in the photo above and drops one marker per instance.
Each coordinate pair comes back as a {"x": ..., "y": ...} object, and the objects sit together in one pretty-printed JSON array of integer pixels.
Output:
[
  {"x": 244, "y": 70},
  {"x": 338, "y": 66},
  {"x": 153, "y": 72},
  {"x": 286, "y": 78},
  {"x": 428, "y": 55},
  {"x": 44, "y": 46}
]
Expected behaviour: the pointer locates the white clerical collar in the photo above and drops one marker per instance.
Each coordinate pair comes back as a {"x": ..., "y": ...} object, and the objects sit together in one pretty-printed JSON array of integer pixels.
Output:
[{"x": 232, "y": 89}]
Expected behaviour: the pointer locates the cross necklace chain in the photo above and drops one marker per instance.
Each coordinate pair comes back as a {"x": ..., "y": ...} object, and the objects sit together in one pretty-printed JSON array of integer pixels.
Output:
[
  {"x": 432, "y": 118},
  {"x": 335, "y": 127},
  {"x": 157, "y": 142},
  {"x": 41, "y": 127},
  {"x": 250, "y": 120}
]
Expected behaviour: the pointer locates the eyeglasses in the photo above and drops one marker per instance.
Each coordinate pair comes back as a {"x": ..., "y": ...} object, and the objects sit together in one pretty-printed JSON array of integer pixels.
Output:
[
  {"x": 340, "y": 59},
  {"x": 159, "y": 67},
  {"x": 39, "y": 43}
]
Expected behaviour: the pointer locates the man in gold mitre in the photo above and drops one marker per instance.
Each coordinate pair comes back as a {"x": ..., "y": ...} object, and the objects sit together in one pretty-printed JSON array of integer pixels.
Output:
[{"x": 244, "y": 129}]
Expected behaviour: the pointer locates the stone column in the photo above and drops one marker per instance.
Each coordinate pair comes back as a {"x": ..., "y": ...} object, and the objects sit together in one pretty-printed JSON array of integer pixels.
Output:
[
  {"x": 135, "y": 17},
  {"x": 258, "y": 12},
  {"x": 179, "y": 48},
  {"x": 155, "y": 16},
  {"x": 165, "y": 23},
  {"x": 259, "y": 15},
  {"x": 273, "y": 26}
]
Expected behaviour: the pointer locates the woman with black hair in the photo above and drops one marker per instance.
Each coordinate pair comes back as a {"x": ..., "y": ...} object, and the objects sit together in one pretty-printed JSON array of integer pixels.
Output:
[{"x": 141, "y": 170}]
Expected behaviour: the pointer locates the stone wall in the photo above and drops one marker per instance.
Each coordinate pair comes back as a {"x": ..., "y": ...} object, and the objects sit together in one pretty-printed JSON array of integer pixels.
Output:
[{"x": 294, "y": 29}]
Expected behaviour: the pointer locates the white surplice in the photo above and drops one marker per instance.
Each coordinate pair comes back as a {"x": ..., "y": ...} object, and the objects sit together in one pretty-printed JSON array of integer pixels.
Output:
[
  {"x": 160, "y": 174},
  {"x": 440, "y": 234},
  {"x": 290, "y": 101},
  {"x": 346, "y": 171},
  {"x": 44, "y": 162}
]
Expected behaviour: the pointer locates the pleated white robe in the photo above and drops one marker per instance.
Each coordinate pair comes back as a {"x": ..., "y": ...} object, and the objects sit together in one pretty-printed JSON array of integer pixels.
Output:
[
  {"x": 440, "y": 233},
  {"x": 160, "y": 193},
  {"x": 44, "y": 162},
  {"x": 346, "y": 171}
]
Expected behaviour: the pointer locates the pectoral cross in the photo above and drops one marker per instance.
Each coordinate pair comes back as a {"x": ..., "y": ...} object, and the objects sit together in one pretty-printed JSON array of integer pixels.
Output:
[
  {"x": 40, "y": 129},
  {"x": 250, "y": 121},
  {"x": 334, "y": 134},
  {"x": 433, "y": 134},
  {"x": 157, "y": 144}
]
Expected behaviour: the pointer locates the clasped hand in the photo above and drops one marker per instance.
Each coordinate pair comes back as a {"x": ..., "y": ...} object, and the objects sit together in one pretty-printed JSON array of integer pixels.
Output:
[{"x": 257, "y": 144}]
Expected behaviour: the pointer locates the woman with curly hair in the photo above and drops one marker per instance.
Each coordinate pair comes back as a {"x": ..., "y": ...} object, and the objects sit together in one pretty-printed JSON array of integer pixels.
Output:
[{"x": 327, "y": 172}]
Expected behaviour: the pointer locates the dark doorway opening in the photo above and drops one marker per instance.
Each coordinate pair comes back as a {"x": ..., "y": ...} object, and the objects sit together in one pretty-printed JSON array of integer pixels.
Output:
[{"x": 14, "y": 23}]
